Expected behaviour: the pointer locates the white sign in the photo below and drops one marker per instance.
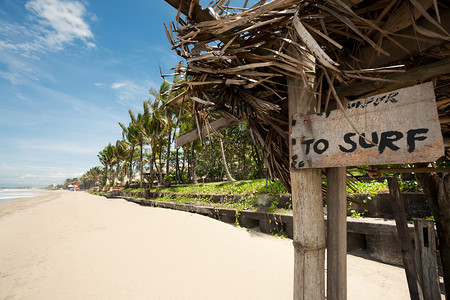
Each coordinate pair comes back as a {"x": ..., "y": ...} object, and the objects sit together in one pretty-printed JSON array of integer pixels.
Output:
[{"x": 392, "y": 128}]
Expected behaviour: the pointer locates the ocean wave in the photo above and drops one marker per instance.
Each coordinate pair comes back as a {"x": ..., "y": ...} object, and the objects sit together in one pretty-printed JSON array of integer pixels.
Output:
[{"x": 12, "y": 194}]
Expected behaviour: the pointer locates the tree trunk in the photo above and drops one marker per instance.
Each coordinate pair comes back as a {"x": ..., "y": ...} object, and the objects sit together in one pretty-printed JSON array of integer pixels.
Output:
[
  {"x": 106, "y": 175},
  {"x": 152, "y": 163},
  {"x": 130, "y": 167},
  {"x": 229, "y": 177},
  {"x": 257, "y": 158},
  {"x": 140, "y": 163},
  {"x": 177, "y": 169},
  {"x": 111, "y": 170},
  {"x": 244, "y": 176},
  {"x": 185, "y": 154},
  {"x": 160, "y": 169},
  {"x": 437, "y": 192},
  {"x": 193, "y": 176},
  {"x": 168, "y": 150}
]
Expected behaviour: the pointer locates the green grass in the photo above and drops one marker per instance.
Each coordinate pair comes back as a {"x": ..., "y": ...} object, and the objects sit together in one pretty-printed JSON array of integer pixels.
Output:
[
  {"x": 243, "y": 187},
  {"x": 372, "y": 187},
  {"x": 261, "y": 186}
]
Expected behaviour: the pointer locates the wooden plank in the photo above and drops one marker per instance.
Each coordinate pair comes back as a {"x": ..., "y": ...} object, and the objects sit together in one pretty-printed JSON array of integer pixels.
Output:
[
  {"x": 405, "y": 240},
  {"x": 336, "y": 234},
  {"x": 437, "y": 192},
  {"x": 197, "y": 13},
  {"x": 426, "y": 261},
  {"x": 397, "y": 127},
  {"x": 308, "y": 220},
  {"x": 214, "y": 126}
]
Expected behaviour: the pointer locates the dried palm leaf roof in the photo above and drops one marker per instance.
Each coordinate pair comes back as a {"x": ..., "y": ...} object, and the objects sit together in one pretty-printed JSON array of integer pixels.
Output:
[{"x": 239, "y": 59}]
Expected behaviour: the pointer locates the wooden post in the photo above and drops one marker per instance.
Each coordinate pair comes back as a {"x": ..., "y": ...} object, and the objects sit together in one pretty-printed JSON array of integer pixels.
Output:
[
  {"x": 437, "y": 191},
  {"x": 426, "y": 261},
  {"x": 336, "y": 234},
  {"x": 405, "y": 240},
  {"x": 309, "y": 227}
]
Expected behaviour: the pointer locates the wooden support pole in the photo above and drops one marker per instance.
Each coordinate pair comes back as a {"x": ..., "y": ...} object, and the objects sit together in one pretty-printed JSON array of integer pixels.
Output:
[
  {"x": 336, "y": 234},
  {"x": 437, "y": 191},
  {"x": 426, "y": 261},
  {"x": 405, "y": 239},
  {"x": 308, "y": 223}
]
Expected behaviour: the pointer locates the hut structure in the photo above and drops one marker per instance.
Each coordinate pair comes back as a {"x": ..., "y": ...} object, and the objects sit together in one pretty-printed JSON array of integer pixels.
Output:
[{"x": 262, "y": 64}]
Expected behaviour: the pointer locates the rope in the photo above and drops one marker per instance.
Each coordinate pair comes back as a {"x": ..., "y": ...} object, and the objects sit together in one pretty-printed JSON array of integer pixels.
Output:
[{"x": 299, "y": 247}]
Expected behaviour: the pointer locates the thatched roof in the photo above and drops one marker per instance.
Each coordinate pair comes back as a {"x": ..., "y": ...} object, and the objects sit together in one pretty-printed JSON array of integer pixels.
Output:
[{"x": 239, "y": 59}]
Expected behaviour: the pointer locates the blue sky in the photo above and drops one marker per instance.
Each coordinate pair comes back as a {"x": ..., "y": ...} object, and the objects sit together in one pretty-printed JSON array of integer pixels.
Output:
[{"x": 69, "y": 72}]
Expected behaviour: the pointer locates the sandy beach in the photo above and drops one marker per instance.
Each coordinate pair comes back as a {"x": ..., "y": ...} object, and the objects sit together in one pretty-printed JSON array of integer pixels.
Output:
[{"x": 72, "y": 245}]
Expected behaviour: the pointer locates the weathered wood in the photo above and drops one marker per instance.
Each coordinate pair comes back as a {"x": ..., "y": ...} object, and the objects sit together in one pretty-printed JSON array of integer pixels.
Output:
[
  {"x": 398, "y": 127},
  {"x": 426, "y": 261},
  {"x": 214, "y": 126},
  {"x": 336, "y": 234},
  {"x": 437, "y": 191},
  {"x": 308, "y": 220},
  {"x": 198, "y": 13},
  {"x": 413, "y": 170},
  {"x": 405, "y": 240},
  {"x": 410, "y": 77}
]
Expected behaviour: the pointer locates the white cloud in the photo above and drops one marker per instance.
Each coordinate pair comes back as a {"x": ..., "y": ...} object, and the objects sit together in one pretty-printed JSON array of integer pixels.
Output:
[
  {"x": 50, "y": 26},
  {"x": 61, "y": 22},
  {"x": 132, "y": 94},
  {"x": 118, "y": 85}
]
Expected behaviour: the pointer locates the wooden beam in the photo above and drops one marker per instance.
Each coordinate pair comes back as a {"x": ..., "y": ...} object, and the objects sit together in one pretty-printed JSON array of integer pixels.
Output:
[
  {"x": 336, "y": 234},
  {"x": 437, "y": 192},
  {"x": 426, "y": 260},
  {"x": 413, "y": 170},
  {"x": 405, "y": 239},
  {"x": 308, "y": 220},
  {"x": 214, "y": 126},
  {"x": 198, "y": 13},
  {"x": 370, "y": 58},
  {"x": 410, "y": 77}
]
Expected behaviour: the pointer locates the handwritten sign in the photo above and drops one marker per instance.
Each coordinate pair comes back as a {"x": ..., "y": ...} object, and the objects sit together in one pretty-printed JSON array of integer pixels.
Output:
[{"x": 397, "y": 127}]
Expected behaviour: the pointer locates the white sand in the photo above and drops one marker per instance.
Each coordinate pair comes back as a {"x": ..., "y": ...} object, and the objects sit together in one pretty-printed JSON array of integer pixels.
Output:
[{"x": 72, "y": 245}]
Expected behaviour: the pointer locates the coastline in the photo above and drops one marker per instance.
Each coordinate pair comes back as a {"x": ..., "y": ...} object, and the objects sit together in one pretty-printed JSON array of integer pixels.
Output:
[
  {"x": 72, "y": 245},
  {"x": 15, "y": 205},
  {"x": 10, "y": 194}
]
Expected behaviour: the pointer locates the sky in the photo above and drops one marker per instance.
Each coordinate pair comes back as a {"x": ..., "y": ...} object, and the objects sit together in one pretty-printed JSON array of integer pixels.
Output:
[{"x": 69, "y": 72}]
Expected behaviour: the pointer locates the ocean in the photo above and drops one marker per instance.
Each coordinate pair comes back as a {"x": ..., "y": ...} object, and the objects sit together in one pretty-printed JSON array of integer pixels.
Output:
[{"x": 8, "y": 194}]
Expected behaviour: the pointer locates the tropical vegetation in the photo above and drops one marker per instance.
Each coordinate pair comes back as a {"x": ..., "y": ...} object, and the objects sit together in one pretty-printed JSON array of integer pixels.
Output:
[{"x": 147, "y": 152}]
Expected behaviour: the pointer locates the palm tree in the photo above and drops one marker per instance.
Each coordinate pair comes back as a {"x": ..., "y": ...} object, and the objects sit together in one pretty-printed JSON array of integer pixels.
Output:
[
  {"x": 167, "y": 114},
  {"x": 141, "y": 141},
  {"x": 91, "y": 177},
  {"x": 119, "y": 156},
  {"x": 151, "y": 128},
  {"x": 130, "y": 134},
  {"x": 224, "y": 160},
  {"x": 94, "y": 175},
  {"x": 106, "y": 157}
]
